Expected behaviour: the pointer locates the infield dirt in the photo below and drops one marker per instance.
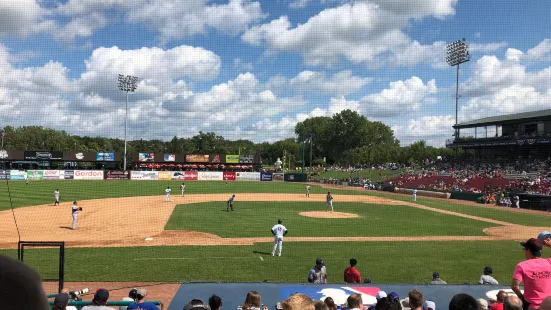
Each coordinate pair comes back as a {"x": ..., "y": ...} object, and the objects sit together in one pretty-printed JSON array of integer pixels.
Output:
[{"x": 125, "y": 222}]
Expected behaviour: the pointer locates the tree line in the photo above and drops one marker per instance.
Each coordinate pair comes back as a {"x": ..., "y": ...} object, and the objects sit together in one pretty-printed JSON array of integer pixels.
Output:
[{"x": 346, "y": 138}]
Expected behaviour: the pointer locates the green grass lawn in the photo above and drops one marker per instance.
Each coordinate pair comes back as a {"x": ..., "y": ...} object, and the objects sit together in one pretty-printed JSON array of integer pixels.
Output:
[
  {"x": 255, "y": 219},
  {"x": 406, "y": 262}
]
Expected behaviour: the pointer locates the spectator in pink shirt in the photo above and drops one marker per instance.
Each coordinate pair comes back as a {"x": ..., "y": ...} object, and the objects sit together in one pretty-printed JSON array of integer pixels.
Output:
[{"x": 535, "y": 273}]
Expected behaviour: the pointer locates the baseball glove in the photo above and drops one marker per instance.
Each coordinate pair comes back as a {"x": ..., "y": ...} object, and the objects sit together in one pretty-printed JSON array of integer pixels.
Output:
[{"x": 80, "y": 208}]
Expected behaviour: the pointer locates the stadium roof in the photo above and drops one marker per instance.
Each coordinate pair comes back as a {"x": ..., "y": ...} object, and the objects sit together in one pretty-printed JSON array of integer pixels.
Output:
[{"x": 504, "y": 119}]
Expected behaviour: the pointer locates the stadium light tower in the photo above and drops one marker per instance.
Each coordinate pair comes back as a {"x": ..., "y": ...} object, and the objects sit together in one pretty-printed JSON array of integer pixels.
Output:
[
  {"x": 128, "y": 84},
  {"x": 457, "y": 53}
]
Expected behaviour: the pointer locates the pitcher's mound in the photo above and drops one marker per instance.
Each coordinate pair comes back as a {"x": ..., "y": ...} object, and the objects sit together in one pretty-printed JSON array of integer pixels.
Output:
[{"x": 328, "y": 215}]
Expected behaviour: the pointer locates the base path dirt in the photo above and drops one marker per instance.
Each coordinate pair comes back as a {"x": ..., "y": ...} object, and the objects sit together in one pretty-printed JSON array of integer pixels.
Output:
[{"x": 129, "y": 221}]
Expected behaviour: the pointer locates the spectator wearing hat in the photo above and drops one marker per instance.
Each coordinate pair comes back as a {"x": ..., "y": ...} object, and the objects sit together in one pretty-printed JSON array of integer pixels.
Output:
[
  {"x": 66, "y": 291},
  {"x": 318, "y": 273},
  {"x": 388, "y": 303},
  {"x": 20, "y": 286},
  {"x": 534, "y": 273},
  {"x": 429, "y": 305},
  {"x": 196, "y": 304},
  {"x": 415, "y": 300},
  {"x": 61, "y": 301},
  {"x": 131, "y": 297},
  {"x": 215, "y": 302},
  {"x": 500, "y": 299},
  {"x": 436, "y": 278},
  {"x": 351, "y": 274},
  {"x": 140, "y": 303},
  {"x": 100, "y": 300},
  {"x": 394, "y": 296},
  {"x": 482, "y": 304},
  {"x": 486, "y": 278},
  {"x": 463, "y": 302},
  {"x": 545, "y": 238}
]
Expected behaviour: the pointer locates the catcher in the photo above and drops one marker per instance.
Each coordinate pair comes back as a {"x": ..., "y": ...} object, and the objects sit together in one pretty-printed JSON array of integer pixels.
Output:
[{"x": 75, "y": 210}]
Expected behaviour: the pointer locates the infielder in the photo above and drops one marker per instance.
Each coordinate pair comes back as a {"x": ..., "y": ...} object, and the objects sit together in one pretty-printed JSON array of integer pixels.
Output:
[
  {"x": 56, "y": 197},
  {"x": 230, "y": 203},
  {"x": 183, "y": 189},
  {"x": 167, "y": 191},
  {"x": 414, "y": 195},
  {"x": 329, "y": 202},
  {"x": 75, "y": 210},
  {"x": 278, "y": 231},
  {"x": 307, "y": 190}
]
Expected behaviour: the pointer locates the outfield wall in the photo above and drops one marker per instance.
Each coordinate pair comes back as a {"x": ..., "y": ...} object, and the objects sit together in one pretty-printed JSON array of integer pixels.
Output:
[{"x": 141, "y": 175}]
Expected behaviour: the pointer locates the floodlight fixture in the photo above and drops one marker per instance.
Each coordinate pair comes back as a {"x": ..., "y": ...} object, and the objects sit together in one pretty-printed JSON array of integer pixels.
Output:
[
  {"x": 457, "y": 53},
  {"x": 128, "y": 84}
]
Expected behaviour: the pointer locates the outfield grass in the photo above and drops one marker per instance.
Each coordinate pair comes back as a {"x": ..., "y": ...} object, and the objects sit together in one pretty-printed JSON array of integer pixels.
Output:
[
  {"x": 42, "y": 192},
  {"x": 255, "y": 219},
  {"x": 406, "y": 262}
]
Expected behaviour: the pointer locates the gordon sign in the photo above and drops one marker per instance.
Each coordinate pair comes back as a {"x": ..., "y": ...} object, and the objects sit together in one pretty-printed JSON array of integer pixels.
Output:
[{"x": 88, "y": 175}]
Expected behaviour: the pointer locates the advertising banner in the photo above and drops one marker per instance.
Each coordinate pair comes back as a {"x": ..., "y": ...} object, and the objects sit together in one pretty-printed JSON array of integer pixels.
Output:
[
  {"x": 79, "y": 156},
  {"x": 247, "y": 176},
  {"x": 13, "y": 155},
  {"x": 217, "y": 159},
  {"x": 194, "y": 158},
  {"x": 117, "y": 175},
  {"x": 40, "y": 155},
  {"x": 229, "y": 175},
  {"x": 185, "y": 175},
  {"x": 146, "y": 157},
  {"x": 169, "y": 157},
  {"x": 53, "y": 174},
  {"x": 266, "y": 176},
  {"x": 105, "y": 156},
  {"x": 246, "y": 159},
  {"x": 144, "y": 175},
  {"x": 4, "y": 174},
  {"x": 68, "y": 174},
  {"x": 164, "y": 175},
  {"x": 278, "y": 177},
  {"x": 232, "y": 159},
  {"x": 17, "y": 174},
  {"x": 210, "y": 175},
  {"x": 35, "y": 174},
  {"x": 88, "y": 175}
]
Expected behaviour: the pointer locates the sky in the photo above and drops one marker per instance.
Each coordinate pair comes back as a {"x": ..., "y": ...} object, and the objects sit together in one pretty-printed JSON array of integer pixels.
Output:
[{"x": 252, "y": 70}]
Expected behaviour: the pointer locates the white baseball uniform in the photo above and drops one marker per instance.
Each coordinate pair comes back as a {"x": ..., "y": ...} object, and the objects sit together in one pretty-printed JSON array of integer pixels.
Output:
[
  {"x": 414, "y": 195},
  {"x": 74, "y": 210},
  {"x": 56, "y": 196},
  {"x": 167, "y": 191},
  {"x": 279, "y": 230},
  {"x": 183, "y": 188},
  {"x": 307, "y": 190},
  {"x": 329, "y": 202}
]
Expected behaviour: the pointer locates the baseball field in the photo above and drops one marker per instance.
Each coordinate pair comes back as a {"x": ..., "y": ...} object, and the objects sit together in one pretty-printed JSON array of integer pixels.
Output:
[{"x": 127, "y": 232}]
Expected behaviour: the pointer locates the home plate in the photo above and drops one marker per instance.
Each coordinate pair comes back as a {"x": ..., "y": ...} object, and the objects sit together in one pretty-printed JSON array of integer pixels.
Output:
[{"x": 148, "y": 239}]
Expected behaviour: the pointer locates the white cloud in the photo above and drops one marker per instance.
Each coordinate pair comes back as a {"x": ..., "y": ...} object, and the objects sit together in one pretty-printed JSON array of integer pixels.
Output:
[
  {"x": 402, "y": 97},
  {"x": 298, "y": 4},
  {"x": 338, "y": 84},
  {"x": 21, "y": 18},
  {"x": 363, "y": 32},
  {"x": 486, "y": 47},
  {"x": 543, "y": 49},
  {"x": 433, "y": 129}
]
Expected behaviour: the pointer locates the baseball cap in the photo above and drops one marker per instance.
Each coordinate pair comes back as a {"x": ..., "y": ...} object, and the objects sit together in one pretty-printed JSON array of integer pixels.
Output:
[
  {"x": 436, "y": 274},
  {"x": 483, "y": 303},
  {"x": 61, "y": 299},
  {"x": 380, "y": 294},
  {"x": 101, "y": 296},
  {"x": 543, "y": 235},
  {"x": 142, "y": 292},
  {"x": 429, "y": 305},
  {"x": 394, "y": 295},
  {"x": 532, "y": 244},
  {"x": 488, "y": 269},
  {"x": 196, "y": 304},
  {"x": 319, "y": 261}
]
